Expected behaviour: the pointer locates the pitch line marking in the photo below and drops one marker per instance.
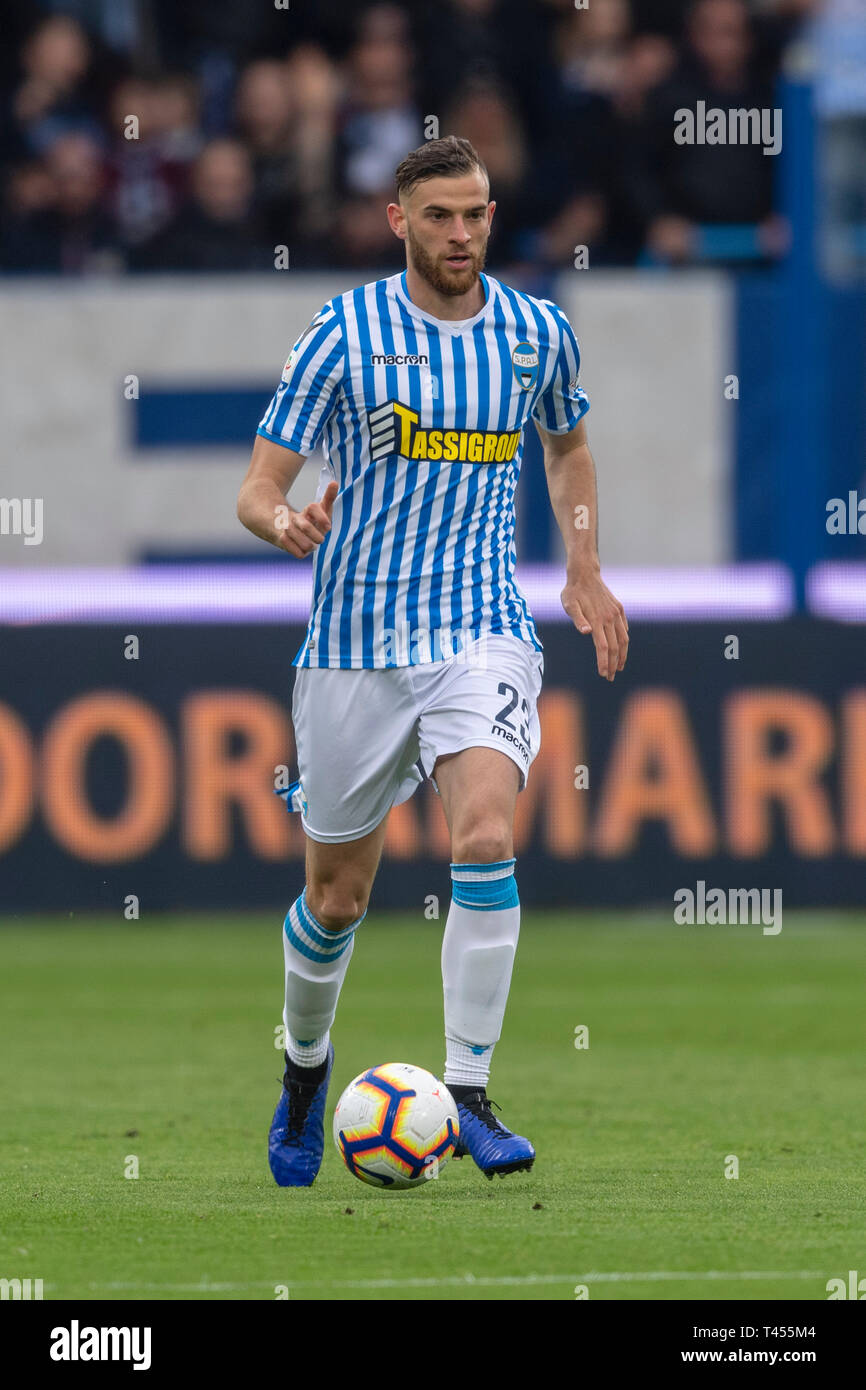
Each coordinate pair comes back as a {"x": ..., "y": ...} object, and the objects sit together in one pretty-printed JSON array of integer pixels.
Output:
[{"x": 471, "y": 1280}]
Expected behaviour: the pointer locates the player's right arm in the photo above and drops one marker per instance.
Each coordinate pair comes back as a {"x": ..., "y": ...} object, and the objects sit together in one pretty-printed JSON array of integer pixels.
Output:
[
  {"x": 262, "y": 505},
  {"x": 288, "y": 433}
]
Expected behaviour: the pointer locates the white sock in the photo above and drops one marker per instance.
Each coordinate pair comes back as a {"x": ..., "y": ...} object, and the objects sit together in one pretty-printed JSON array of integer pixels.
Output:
[
  {"x": 477, "y": 959},
  {"x": 316, "y": 965}
]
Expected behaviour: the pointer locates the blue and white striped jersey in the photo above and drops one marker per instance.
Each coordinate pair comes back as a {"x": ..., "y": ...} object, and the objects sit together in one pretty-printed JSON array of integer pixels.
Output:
[{"x": 421, "y": 421}]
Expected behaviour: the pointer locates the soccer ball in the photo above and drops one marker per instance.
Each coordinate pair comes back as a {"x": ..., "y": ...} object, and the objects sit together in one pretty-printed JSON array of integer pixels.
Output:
[{"x": 395, "y": 1126}]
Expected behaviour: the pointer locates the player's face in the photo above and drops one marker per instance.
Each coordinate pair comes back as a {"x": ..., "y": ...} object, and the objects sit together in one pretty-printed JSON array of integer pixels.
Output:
[{"x": 446, "y": 225}]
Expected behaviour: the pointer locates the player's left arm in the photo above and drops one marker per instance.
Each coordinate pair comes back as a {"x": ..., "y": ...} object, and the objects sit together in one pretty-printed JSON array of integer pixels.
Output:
[{"x": 586, "y": 598}]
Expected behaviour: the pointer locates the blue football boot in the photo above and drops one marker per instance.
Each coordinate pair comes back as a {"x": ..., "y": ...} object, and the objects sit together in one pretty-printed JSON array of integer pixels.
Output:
[
  {"x": 494, "y": 1148},
  {"x": 297, "y": 1138}
]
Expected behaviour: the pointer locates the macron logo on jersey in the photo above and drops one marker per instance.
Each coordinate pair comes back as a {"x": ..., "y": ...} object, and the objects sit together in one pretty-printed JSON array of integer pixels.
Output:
[
  {"x": 398, "y": 359},
  {"x": 394, "y": 429}
]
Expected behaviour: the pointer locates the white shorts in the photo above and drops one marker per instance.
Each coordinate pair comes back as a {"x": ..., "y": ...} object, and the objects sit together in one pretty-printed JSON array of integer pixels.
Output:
[{"x": 366, "y": 739}]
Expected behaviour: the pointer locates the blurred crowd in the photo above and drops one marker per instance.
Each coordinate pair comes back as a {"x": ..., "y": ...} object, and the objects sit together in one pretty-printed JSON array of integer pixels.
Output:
[{"x": 200, "y": 135}]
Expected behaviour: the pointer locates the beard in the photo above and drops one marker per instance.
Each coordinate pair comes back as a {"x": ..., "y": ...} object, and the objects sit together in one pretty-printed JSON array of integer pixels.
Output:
[{"x": 441, "y": 277}]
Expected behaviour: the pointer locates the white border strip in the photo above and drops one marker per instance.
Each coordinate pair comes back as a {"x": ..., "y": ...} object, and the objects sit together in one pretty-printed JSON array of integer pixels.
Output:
[
  {"x": 837, "y": 589},
  {"x": 468, "y": 1281},
  {"x": 281, "y": 592}
]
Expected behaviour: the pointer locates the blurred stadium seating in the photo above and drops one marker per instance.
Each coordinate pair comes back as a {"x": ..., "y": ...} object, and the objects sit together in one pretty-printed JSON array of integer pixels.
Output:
[{"x": 285, "y": 127}]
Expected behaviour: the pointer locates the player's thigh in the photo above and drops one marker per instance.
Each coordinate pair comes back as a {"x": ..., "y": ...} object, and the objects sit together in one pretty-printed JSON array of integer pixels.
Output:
[
  {"x": 479, "y": 729},
  {"x": 357, "y": 745},
  {"x": 478, "y": 787}
]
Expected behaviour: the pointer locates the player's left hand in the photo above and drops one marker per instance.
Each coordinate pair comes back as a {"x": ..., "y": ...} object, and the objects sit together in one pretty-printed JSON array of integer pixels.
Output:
[{"x": 593, "y": 608}]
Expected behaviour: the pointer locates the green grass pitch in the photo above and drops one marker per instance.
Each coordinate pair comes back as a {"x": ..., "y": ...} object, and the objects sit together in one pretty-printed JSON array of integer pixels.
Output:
[{"x": 155, "y": 1039}]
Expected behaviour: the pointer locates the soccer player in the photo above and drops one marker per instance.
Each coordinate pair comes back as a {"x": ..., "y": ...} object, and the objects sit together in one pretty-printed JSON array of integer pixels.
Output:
[{"x": 421, "y": 657}]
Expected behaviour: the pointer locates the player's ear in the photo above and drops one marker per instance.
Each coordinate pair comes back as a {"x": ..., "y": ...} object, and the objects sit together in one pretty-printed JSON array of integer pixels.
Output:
[
  {"x": 397, "y": 220},
  {"x": 491, "y": 208}
]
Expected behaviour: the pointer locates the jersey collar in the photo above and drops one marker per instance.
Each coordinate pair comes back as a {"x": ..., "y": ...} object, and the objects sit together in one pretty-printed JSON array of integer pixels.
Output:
[{"x": 454, "y": 326}]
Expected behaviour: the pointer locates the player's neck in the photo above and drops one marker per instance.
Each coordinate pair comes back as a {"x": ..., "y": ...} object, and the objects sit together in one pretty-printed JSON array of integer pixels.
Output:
[{"x": 444, "y": 306}]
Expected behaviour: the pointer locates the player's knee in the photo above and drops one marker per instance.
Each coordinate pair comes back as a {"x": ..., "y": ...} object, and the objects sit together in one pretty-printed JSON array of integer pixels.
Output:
[
  {"x": 487, "y": 841},
  {"x": 336, "y": 905}
]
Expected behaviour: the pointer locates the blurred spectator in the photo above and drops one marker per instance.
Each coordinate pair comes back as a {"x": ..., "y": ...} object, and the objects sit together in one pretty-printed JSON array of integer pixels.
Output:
[
  {"x": 27, "y": 227},
  {"x": 52, "y": 99},
  {"x": 504, "y": 42},
  {"x": 286, "y": 114},
  {"x": 647, "y": 61},
  {"x": 363, "y": 238},
  {"x": 385, "y": 23},
  {"x": 317, "y": 89},
  {"x": 217, "y": 230},
  {"x": 149, "y": 173},
  {"x": 590, "y": 47},
  {"x": 482, "y": 115},
  {"x": 122, "y": 26},
  {"x": 265, "y": 111},
  {"x": 838, "y": 36},
  {"x": 676, "y": 187},
  {"x": 575, "y": 191},
  {"x": 379, "y": 122},
  {"x": 598, "y": 56},
  {"x": 56, "y": 218}
]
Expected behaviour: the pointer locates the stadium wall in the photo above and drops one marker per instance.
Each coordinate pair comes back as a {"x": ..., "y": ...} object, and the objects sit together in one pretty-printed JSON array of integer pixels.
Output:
[{"x": 129, "y": 408}]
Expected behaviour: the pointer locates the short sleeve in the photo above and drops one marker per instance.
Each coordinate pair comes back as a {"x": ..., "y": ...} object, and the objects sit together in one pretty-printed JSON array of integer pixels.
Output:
[
  {"x": 563, "y": 402},
  {"x": 311, "y": 382}
]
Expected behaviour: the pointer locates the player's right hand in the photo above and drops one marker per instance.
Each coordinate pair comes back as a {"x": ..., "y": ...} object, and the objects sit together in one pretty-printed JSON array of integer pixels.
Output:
[{"x": 308, "y": 528}]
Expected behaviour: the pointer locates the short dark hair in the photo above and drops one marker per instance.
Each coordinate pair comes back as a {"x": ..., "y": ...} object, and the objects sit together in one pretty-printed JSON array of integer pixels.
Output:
[{"x": 445, "y": 158}]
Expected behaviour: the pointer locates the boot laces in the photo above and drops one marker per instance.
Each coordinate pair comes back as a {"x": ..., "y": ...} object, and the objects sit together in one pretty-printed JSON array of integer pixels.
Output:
[
  {"x": 301, "y": 1094},
  {"x": 481, "y": 1107}
]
